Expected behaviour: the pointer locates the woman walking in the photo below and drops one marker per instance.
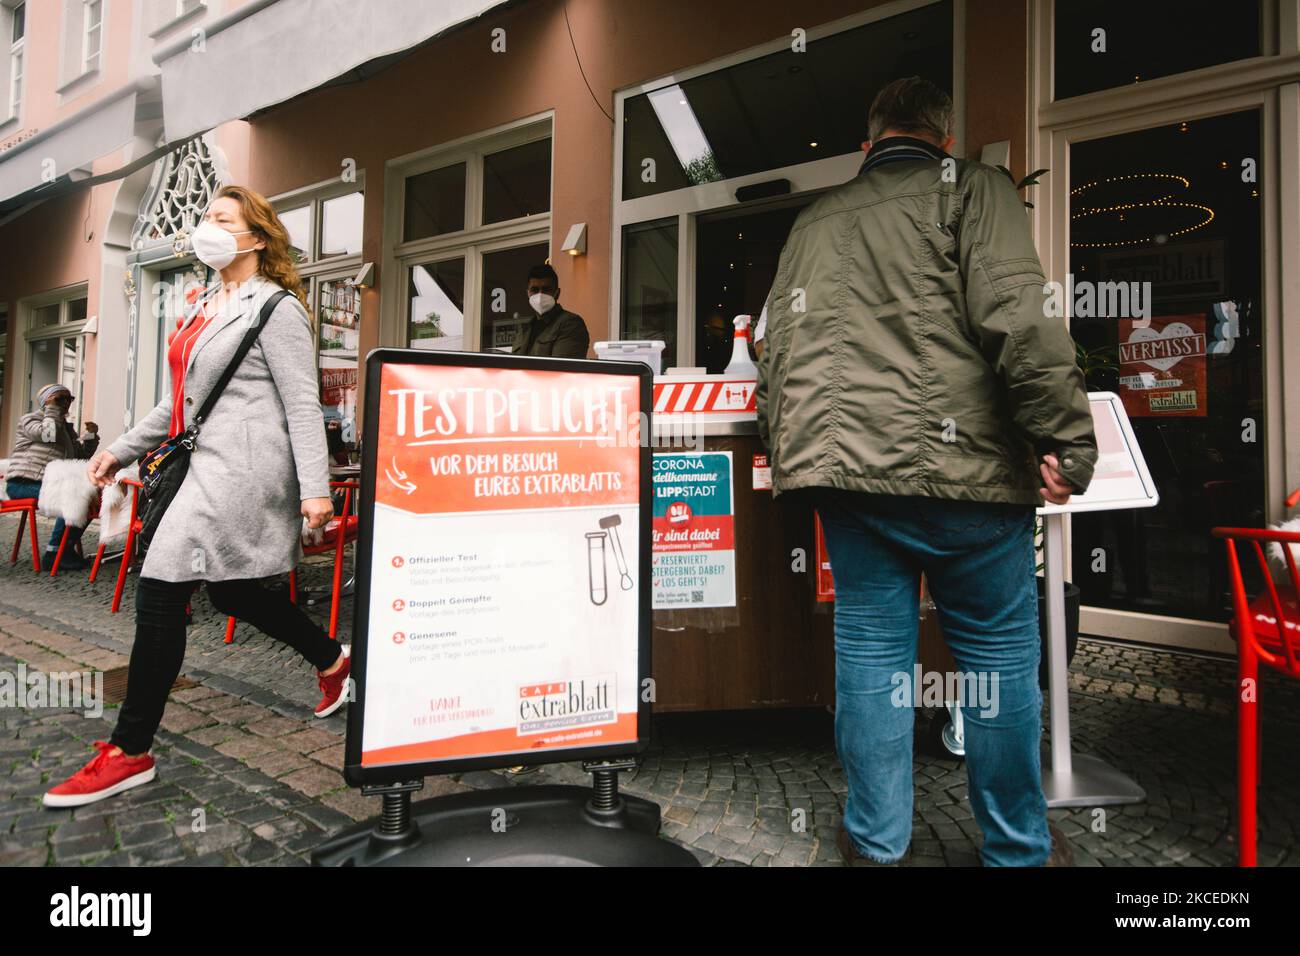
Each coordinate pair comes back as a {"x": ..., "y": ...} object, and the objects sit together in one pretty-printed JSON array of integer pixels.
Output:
[{"x": 259, "y": 467}]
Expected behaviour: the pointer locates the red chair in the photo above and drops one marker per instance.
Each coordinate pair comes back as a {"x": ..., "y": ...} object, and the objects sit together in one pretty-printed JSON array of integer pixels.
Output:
[
  {"x": 63, "y": 541},
  {"x": 1266, "y": 630},
  {"x": 340, "y": 531},
  {"x": 128, "y": 552},
  {"x": 25, "y": 508}
]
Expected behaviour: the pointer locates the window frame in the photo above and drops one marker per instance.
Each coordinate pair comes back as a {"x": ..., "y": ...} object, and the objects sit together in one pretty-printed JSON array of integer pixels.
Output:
[
  {"x": 470, "y": 242},
  {"x": 87, "y": 56},
  {"x": 809, "y": 177},
  {"x": 16, "y": 64},
  {"x": 64, "y": 329},
  {"x": 314, "y": 197}
]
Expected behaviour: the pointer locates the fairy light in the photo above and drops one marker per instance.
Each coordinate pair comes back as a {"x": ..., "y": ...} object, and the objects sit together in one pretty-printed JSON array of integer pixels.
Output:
[{"x": 1165, "y": 201}]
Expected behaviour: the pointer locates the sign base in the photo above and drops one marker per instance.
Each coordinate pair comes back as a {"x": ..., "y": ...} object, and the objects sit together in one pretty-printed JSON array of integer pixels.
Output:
[
  {"x": 1089, "y": 783},
  {"x": 538, "y": 825}
]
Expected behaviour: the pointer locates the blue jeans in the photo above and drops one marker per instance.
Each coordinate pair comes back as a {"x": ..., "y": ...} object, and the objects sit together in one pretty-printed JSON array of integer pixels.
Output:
[
  {"x": 22, "y": 488},
  {"x": 979, "y": 562}
]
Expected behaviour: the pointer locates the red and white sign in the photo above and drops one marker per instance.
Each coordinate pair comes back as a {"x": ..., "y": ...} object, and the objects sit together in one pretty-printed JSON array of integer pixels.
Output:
[
  {"x": 506, "y": 535},
  {"x": 703, "y": 395},
  {"x": 1162, "y": 367}
]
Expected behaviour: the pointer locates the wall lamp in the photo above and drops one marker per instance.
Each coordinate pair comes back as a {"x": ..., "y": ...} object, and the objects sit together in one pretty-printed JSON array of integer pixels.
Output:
[{"x": 575, "y": 243}]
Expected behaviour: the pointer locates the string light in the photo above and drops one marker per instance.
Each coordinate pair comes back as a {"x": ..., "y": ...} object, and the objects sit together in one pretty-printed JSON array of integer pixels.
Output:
[{"x": 1165, "y": 201}]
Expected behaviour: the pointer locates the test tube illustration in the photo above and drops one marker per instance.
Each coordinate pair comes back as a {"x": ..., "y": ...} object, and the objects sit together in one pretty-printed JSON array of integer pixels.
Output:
[
  {"x": 597, "y": 586},
  {"x": 611, "y": 524}
]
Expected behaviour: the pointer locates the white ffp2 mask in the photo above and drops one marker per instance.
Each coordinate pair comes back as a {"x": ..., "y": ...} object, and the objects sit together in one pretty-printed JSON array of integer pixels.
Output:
[
  {"x": 215, "y": 247},
  {"x": 541, "y": 302}
]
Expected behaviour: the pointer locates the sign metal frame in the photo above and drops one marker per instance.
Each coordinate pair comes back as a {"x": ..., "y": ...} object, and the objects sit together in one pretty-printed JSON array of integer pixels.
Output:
[{"x": 353, "y": 771}]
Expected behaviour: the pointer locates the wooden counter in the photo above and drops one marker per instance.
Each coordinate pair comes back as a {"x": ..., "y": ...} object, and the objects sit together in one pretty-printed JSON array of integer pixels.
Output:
[{"x": 776, "y": 647}]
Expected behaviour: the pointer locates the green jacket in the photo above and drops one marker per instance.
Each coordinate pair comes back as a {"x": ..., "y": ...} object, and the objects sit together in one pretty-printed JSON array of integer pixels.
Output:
[
  {"x": 907, "y": 349},
  {"x": 558, "y": 334}
]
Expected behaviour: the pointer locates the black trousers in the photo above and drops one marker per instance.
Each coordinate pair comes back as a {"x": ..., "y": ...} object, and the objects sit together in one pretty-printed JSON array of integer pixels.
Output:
[{"x": 159, "y": 649}]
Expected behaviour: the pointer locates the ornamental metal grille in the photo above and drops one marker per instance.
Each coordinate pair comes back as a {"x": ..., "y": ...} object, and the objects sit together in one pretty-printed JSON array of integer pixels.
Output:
[{"x": 178, "y": 197}]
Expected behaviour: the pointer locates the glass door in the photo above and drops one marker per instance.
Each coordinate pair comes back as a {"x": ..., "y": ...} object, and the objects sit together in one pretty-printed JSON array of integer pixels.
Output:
[
  {"x": 1164, "y": 293},
  {"x": 735, "y": 264}
]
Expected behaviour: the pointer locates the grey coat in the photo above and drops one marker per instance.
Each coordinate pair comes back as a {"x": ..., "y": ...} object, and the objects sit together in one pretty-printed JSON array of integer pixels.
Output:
[{"x": 258, "y": 456}]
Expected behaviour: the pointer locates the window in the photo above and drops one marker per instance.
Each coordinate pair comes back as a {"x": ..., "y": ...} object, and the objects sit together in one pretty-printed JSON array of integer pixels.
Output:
[
  {"x": 56, "y": 346},
  {"x": 338, "y": 316},
  {"x": 341, "y": 225},
  {"x": 777, "y": 110},
  {"x": 690, "y": 255},
  {"x": 436, "y": 305},
  {"x": 327, "y": 226},
  {"x": 517, "y": 182},
  {"x": 435, "y": 203},
  {"x": 475, "y": 217},
  {"x": 18, "y": 31},
  {"x": 503, "y": 304},
  {"x": 1104, "y": 44},
  {"x": 92, "y": 32},
  {"x": 649, "y": 286}
]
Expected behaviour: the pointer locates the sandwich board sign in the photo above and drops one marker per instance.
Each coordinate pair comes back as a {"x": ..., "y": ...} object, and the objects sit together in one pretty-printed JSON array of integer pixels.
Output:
[{"x": 503, "y": 564}]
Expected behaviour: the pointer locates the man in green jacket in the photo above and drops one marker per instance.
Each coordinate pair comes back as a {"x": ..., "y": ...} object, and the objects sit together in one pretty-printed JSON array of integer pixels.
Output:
[{"x": 914, "y": 384}]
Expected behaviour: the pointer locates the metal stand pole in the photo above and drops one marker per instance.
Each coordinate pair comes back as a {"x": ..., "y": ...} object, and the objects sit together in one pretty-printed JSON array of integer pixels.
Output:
[
  {"x": 606, "y": 807},
  {"x": 395, "y": 827},
  {"x": 1074, "y": 780}
]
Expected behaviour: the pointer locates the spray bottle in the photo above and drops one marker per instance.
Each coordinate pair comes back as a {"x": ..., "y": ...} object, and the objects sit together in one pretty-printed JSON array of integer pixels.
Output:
[{"x": 741, "y": 365}]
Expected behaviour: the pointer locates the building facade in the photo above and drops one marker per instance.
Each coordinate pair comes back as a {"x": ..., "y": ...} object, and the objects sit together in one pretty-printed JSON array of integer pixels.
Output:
[{"x": 657, "y": 154}]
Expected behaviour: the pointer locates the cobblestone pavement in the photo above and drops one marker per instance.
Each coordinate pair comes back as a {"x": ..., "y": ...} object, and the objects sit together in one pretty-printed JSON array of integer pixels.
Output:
[{"x": 241, "y": 755}]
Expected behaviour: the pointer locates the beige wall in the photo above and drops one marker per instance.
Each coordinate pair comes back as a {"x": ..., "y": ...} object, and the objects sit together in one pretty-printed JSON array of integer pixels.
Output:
[{"x": 457, "y": 86}]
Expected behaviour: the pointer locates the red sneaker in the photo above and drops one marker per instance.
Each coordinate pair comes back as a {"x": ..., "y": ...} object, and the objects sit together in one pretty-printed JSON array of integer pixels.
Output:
[
  {"x": 333, "y": 687},
  {"x": 104, "y": 776}
]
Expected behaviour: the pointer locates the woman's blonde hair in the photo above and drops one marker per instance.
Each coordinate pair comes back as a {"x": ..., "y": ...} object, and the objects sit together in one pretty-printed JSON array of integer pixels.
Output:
[{"x": 275, "y": 261}]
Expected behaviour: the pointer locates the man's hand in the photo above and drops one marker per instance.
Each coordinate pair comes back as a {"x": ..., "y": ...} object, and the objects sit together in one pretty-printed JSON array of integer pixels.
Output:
[
  {"x": 102, "y": 468},
  {"x": 317, "y": 511},
  {"x": 1058, "y": 490}
]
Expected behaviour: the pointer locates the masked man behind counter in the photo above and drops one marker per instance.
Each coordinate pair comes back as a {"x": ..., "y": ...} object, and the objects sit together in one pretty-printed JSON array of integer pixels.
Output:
[{"x": 552, "y": 331}]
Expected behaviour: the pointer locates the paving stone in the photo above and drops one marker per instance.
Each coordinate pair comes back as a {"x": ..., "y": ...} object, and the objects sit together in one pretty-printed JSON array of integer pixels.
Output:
[
  {"x": 246, "y": 746},
  {"x": 314, "y": 781},
  {"x": 279, "y": 762},
  {"x": 352, "y": 803}
]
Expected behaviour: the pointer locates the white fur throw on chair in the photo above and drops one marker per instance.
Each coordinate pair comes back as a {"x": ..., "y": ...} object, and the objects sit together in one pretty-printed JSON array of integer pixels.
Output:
[
  {"x": 66, "y": 492},
  {"x": 115, "y": 509},
  {"x": 1277, "y": 560},
  {"x": 4, "y": 470}
]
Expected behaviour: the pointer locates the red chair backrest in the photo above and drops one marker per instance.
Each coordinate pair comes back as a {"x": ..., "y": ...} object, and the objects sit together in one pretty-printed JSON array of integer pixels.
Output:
[{"x": 1271, "y": 623}]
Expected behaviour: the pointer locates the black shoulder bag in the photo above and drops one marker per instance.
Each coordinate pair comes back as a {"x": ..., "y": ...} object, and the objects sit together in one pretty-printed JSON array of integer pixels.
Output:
[{"x": 164, "y": 468}]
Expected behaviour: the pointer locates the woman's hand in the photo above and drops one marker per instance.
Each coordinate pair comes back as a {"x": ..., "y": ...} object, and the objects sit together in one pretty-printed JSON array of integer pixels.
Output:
[
  {"x": 317, "y": 511},
  {"x": 102, "y": 468}
]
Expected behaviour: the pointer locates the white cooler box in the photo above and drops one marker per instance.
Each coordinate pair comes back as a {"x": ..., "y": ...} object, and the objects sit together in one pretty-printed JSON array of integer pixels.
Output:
[{"x": 650, "y": 352}]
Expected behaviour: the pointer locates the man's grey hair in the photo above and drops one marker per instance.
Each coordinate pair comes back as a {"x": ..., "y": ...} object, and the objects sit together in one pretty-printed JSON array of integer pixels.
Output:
[{"x": 911, "y": 105}]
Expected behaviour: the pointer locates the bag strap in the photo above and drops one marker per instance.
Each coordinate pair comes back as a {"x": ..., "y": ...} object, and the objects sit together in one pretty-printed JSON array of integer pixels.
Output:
[{"x": 249, "y": 338}]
